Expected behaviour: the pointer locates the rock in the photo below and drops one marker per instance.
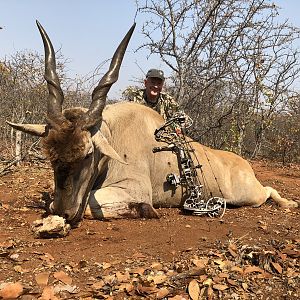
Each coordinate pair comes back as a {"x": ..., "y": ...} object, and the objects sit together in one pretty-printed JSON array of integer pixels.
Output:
[{"x": 51, "y": 227}]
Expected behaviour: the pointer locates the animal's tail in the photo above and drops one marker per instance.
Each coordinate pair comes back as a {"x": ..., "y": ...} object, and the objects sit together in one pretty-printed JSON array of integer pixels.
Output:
[{"x": 272, "y": 193}]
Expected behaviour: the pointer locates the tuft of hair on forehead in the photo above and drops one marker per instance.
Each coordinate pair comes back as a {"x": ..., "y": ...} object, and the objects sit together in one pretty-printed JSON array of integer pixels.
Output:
[
  {"x": 69, "y": 143},
  {"x": 74, "y": 114}
]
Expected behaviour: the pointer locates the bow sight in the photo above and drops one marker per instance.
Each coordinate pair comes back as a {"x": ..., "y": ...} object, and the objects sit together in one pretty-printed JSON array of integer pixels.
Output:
[{"x": 172, "y": 133}]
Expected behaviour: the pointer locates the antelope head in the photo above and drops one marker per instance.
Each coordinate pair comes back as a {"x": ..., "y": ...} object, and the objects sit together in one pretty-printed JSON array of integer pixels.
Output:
[{"x": 72, "y": 138}]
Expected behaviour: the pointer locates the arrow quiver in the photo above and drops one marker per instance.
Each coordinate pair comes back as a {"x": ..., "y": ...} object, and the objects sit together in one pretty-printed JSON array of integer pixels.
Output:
[{"x": 172, "y": 133}]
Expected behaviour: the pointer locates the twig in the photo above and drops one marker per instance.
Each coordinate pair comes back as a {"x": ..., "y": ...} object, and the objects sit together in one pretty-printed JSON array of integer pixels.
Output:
[
  {"x": 8, "y": 166},
  {"x": 15, "y": 161}
]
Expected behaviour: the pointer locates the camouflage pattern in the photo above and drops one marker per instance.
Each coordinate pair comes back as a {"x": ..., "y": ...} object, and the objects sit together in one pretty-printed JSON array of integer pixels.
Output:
[{"x": 165, "y": 105}]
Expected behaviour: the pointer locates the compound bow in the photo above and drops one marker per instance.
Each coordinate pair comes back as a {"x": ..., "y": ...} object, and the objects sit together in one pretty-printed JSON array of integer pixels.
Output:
[{"x": 172, "y": 133}]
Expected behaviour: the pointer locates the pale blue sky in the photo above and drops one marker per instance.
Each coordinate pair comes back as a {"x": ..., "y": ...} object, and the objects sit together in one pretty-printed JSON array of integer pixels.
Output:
[{"x": 88, "y": 31}]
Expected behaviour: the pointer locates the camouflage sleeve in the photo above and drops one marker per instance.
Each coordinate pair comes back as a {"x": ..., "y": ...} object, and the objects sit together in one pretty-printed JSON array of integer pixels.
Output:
[
  {"x": 138, "y": 96},
  {"x": 171, "y": 106},
  {"x": 174, "y": 105},
  {"x": 133, "y": 94}
]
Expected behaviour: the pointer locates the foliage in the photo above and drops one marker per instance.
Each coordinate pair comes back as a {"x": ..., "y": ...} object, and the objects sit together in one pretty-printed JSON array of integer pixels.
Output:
[
  {"x": 233, "y": 70},
  {"x": 233, "y": 65}
]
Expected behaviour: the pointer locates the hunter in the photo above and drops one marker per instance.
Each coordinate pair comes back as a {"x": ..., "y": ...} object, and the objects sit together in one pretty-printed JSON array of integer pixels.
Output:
[{"x": 151, "y": 95}]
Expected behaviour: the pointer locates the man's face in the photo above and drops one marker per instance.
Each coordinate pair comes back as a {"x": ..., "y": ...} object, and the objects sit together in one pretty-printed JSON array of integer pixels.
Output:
[{"x": 153, "y": 87}]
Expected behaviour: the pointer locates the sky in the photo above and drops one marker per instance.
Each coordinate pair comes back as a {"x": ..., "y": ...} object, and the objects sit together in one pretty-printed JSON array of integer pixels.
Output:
[{"x": 88, "y": 32}]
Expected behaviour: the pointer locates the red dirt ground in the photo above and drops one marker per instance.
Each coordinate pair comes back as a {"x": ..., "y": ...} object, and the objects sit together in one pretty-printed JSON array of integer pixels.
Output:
[{"x": 252, "y": 253}]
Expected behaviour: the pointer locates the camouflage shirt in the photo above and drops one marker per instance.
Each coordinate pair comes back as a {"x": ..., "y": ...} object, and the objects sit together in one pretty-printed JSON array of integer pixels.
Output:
[{"x": 165, "y": 105}]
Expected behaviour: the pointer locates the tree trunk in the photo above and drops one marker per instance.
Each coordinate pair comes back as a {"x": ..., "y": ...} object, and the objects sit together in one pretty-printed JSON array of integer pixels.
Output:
[
  {"x": 258, "y": 144},
  {"x": 240, "y": 139},
  {"x": 18, "y": 149}
]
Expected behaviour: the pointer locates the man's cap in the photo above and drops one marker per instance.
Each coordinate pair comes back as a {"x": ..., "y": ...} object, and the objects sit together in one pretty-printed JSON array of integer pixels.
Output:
[{"x": 156, "y": 74}]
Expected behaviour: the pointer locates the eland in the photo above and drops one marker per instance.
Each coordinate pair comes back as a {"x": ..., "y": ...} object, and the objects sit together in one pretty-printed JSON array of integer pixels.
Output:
[{"x": 103, "y": 162}]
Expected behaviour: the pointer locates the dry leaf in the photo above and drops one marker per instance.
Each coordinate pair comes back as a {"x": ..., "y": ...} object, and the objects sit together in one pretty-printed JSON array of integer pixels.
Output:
[
  {"x": 47, "y": 257},
  {"x": 291, "y": 252},
  {"x": 171, "y": 273},
  {"x": 63, "y": 277},
  {"x": 233, "y": 254},
  {"x": 263, "y": 227},
  {"x": 283, "y": 256},
  {"x": 98, "y": 285},
  {"x": 109, "y": 279},
  {"x": 261, "y": 222},
  {"x": 128, "y": 287},
  {"x": 5, "y": 206},
  {"x": 146, "y": 289},
  {"x": 232, "y": 282},
  {"x": 277, "y": 267},
  {"x": 194, "y": 289},
  {"x": 139, "y": 271},
  {"x": 217, "y": 279},
  {"x": 123, "y": 277},
  {"x": 158, "y": 279},
  {"x": 48, "y": 294},
  {"x": 223, "y": 264},
  {"x": 232, "y": 248},
  {"x": 220, "y": 255},
  {"x": 106, "y": 265},
  {"x": 223, "y": 275},
  {"x": 199, "y": 263},
  {"x": 156, "y": 266},
  {"x": 202, "y": 278},
  {"x": 291, "y": 273},
  {"x": 220, "y": 287},
  {"x": 162, "y": 293},
  {"x": 237, "y": 269},
  {"x": 202, "y": 293},
  {"x": 15, "y": 257},
  {"x": 138, "y": 255},
  {"x": 11, "y": 290},
  {"x": 265, "y": 275},
  {"x": 72, "y": 289},
  {"x": 251, "y": 269},
  {"x": 208, "y": 282},
  {"x": 42, "y": 279},
  {"x": 116, "y": 262},
  {"x": 245, "y": 285},
  {"x": 178, "y": 297},
  {"x": 210, "y": 293},
  {"x": 218, "y": 261},
  {"x": 7, "y": 244},
  {"x": 20, "y": 270}
]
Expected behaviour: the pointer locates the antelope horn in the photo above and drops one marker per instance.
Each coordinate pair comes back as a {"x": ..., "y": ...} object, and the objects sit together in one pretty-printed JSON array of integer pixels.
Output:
[
  {"x": 94, "y": 114},
  {"x": 33, "y": 129},
  {"x": 56, "y": 96}
]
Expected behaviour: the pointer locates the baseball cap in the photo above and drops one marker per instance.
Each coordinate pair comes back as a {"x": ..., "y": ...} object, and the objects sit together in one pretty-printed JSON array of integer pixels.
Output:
[{"x": 155, "y": 73}]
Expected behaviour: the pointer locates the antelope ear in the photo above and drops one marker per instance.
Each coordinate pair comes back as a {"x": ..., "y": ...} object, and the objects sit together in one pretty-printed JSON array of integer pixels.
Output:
[
  {"x": 102, "y": 144},
  {"x": 33, "y": 129}
]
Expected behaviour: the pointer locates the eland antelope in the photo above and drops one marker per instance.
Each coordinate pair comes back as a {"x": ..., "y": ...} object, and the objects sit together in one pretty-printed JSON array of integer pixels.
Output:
[{"x": 103, "y": 162}]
